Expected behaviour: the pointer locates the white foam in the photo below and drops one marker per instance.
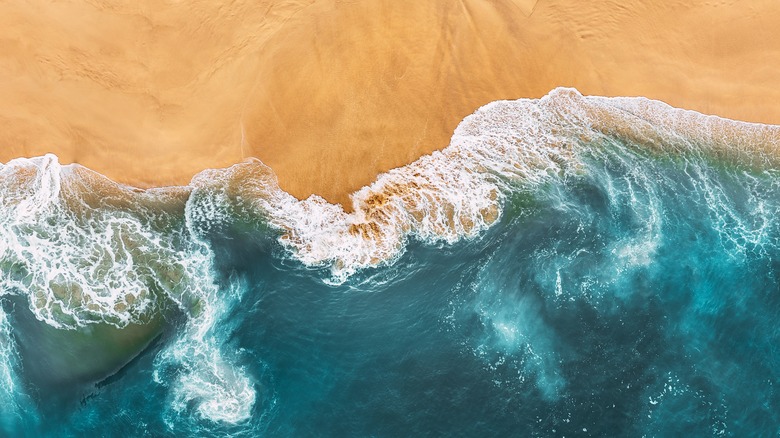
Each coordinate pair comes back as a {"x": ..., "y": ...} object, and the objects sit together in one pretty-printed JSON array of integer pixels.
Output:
[
  {"x": 13, "y": 398},
  {"x": 458, "y": 192},
  {"x": 220, "y": 392},
  {"x": 80, "y": 265},
  {"x": 442, "y": 197},
  {"x": 449, "y": 195},
  {"x": 8, "y": 359},
  {"x": 202, "y": 376},
  {"x": 85, "y": 250}
]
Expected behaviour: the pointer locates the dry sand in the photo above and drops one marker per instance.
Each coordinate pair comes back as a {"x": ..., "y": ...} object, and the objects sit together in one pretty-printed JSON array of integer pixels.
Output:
[{"x": 331, "y": 93}]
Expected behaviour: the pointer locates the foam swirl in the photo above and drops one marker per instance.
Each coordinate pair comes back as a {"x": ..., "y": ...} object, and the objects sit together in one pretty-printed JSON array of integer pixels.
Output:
[
  {"x": 79, "y": 259},
  {"x": 84, "y": 250}
]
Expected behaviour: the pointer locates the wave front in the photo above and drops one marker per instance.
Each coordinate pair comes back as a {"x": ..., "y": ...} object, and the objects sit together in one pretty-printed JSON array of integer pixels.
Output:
[{"x": 82, "y": 251}]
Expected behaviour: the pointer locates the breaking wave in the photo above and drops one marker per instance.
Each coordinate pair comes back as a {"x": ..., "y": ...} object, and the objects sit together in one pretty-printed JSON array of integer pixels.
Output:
[
  {"x": 83, "y": 250},
  {"x": 503, "y": 148}
]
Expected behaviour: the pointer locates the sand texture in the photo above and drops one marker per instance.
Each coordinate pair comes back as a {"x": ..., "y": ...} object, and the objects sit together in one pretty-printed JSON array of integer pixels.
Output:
[{"x": 331, "y": 93}]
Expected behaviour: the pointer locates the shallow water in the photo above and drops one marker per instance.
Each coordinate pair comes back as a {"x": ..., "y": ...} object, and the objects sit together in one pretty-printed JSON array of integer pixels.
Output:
[{"x": 628, "y": 288}]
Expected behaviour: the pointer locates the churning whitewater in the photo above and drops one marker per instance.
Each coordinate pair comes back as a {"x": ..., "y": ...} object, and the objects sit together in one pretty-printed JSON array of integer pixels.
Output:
[{"x": 566, "y": 265}]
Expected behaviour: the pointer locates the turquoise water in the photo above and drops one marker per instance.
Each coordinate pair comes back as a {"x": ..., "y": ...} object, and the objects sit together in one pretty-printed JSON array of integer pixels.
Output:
[{"x": 630, "y": 289}]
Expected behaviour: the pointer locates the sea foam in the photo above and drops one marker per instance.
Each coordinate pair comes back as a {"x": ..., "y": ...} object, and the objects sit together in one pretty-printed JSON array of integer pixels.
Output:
[
  {"x": 504, "y": 147},
  {"x": 87, "y": 250},
  {"x": 83, "y": 250}
]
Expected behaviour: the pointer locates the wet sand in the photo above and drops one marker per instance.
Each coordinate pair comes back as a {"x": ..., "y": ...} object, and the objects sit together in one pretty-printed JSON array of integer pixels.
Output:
[{"x": 331, "y": 93}]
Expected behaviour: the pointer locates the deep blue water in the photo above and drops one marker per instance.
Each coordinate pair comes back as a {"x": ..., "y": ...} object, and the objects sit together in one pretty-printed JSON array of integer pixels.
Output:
[{"x": 637, "y": 297}]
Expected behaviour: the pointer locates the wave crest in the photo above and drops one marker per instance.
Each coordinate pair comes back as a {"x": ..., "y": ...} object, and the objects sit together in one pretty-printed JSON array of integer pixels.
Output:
[
  {"x": 453, "y": 194},
  {"x": 85, "y": 250}
]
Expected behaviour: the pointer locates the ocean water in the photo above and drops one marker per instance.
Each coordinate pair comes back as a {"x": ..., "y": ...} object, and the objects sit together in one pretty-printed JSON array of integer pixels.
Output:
[{"x": 569, "y": 266}]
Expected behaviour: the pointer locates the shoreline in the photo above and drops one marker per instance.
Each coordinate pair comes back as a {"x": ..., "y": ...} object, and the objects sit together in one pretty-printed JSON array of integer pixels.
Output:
[
  {"x": 503, "y": 148},
  {"x": 380, "y": 83}
]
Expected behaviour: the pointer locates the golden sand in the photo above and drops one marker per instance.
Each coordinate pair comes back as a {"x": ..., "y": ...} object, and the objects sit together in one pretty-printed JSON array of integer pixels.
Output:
[{"x": 331, "y": 93}]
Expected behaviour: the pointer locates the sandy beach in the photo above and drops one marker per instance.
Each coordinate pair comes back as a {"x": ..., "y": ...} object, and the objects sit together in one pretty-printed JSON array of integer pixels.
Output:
[{"x": 331, "y": 93}]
